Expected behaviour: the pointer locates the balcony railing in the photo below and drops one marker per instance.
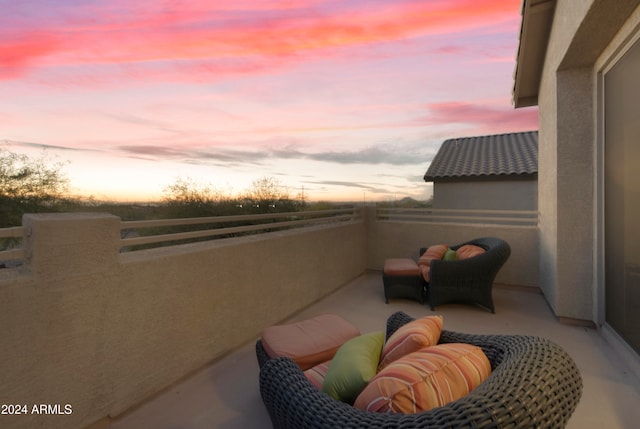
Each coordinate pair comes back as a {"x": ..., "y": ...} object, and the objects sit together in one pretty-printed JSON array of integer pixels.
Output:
[
  {"x": 136, "y": 234},
  {"x": 460, "y": 216},
  {"x": 15, "y": 250}
]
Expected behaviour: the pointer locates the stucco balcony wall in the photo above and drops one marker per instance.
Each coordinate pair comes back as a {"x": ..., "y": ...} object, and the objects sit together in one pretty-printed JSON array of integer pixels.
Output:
[{"x": 101, "y": 331}]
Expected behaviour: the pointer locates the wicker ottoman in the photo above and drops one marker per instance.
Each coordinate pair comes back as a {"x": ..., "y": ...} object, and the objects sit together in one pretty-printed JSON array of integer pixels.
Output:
[{"x": 402, "y": 279}]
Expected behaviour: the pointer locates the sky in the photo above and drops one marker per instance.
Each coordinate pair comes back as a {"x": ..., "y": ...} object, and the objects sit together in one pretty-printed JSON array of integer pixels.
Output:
[{"x": 344, "y": 100}]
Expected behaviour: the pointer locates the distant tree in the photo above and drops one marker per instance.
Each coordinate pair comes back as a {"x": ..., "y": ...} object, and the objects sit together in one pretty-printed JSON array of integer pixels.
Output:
[
  {"x": 29, "y": 185},
  {"x": 188, "y": 192},
  {"x": 187, "y": 198},
  {"x": 267, "y": 194},
  {"x": 268, "y": 189}
]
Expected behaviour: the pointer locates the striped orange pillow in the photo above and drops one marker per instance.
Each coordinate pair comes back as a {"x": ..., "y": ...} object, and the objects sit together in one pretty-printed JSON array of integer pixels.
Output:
[
  {"x": 436, "y": 251},
  {"x": 317, "y": 374},
  {"x": 469, "y": 251},
  {"x": 425, "y": 270},
  {"x": 428, "y": 378},
  {"x": 408, "y": 338}
]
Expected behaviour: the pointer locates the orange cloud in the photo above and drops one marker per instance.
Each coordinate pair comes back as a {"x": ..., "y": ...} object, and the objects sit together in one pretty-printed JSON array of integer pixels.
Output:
[
  {"x": 288, "y": 36},
  {"x": 135, "y": 32}
]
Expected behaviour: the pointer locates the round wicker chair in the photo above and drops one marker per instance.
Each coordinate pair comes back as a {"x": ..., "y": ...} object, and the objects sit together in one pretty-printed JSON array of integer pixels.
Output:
[{"x": 533, "y": 384}]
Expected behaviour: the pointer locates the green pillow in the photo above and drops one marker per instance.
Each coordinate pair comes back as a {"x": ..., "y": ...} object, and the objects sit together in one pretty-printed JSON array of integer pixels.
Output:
[
  {"x": 451, "y": 255},
  {"x": 354, "y": 364}
]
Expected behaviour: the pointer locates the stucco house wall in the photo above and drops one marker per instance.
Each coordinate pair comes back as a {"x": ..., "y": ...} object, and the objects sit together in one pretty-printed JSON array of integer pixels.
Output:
[
  {"x": 511, "y": 194},
  {"x": 488, "y": 172},
  {"x": 583, "y": 35}
]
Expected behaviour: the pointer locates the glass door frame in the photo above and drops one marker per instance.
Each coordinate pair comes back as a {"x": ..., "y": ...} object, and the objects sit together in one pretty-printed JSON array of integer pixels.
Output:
[{"x": 599, "y": 183}]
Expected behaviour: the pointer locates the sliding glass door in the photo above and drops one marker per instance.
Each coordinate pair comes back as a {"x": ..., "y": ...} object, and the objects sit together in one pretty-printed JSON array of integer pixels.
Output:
[{"x": 622, "y": 196}]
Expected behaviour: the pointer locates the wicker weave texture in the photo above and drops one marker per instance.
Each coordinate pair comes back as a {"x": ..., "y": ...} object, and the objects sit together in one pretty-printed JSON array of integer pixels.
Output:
[
  {"x": 468, "y": 280},
  {"x": 413, "y": 287},
  {"x": 534, "y": 384}
]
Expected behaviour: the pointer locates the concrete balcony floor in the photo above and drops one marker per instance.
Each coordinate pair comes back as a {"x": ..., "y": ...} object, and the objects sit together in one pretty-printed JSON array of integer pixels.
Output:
[{"x": 226, "y": 395}]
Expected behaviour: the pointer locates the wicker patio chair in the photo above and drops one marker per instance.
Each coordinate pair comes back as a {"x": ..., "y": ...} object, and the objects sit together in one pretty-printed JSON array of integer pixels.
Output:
[
  {"x": 533, "y": 384},
  {"x": 468, "y": 280}
]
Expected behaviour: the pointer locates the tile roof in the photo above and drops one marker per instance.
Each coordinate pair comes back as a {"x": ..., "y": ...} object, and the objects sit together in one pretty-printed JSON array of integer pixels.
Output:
[{"x": 495, "y": 155}]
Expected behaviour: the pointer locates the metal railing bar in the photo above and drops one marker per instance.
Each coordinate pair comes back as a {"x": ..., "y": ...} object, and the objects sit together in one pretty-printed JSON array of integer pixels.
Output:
[
  {"x": 17, "y": 253},
  {"x": 441, "y": 218},
  {"x": 439, "y": 211},
  {"x": 221, "y": 231},
  {"x": 220, "y": 219},
  {"x": 13, "y": 232}
]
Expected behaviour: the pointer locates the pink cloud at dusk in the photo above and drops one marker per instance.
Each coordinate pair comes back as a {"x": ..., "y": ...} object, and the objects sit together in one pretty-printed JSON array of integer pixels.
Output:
[
  {"x": 482, "y": 118},
  {"x": 325, "y": 93},
  {"x": 137, "y": 32}
]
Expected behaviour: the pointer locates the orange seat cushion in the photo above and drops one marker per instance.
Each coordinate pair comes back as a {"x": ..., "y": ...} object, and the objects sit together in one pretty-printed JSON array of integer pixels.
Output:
[
  {"x": 428, "y": 378},
  {"x": 401, "y": 267},
  {"x": 308, "y": 342},
  {"x": 469, "y": 251}
]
